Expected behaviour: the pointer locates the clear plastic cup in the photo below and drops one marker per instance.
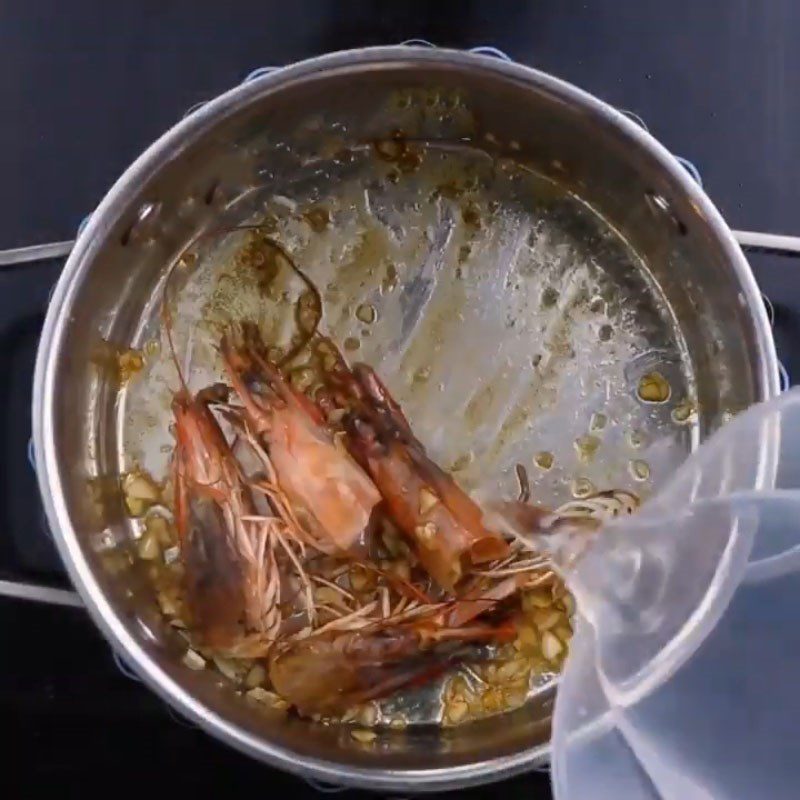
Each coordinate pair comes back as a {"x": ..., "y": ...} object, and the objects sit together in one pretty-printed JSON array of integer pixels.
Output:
[{"x": 683, "y": 679}]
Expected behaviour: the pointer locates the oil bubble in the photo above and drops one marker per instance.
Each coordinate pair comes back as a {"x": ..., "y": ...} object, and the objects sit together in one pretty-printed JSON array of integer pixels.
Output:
[
  {"x": 684, "y": 413},
  {"x": 586, "y": 447},
  {"x": 605, "y": 333},
  {"x": 366, "y": 313},
  {"x": 653, "y": 388},
  {"x": 582, "y": 487},
  {"x": 639, "y": 470},
  {"x": 598, "y": 422},
  {"x": 636, "y": 439}
]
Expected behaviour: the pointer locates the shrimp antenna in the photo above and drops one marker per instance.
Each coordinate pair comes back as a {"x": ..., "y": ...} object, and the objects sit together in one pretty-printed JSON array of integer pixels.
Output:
[
  {"x": 310, "y": 285},
  {"x": 166, "y": 314}
]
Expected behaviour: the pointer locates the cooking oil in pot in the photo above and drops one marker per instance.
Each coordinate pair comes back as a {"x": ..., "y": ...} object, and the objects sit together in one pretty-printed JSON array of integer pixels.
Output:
[{"x": 504, "y": 316}]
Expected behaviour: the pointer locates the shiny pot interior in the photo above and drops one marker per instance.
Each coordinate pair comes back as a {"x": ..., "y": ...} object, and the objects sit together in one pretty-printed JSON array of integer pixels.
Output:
[{"x": 193, "y": 176}]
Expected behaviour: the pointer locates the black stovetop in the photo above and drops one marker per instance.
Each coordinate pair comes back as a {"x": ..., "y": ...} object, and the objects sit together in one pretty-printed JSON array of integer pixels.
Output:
[{"x": 86, "y": 86}]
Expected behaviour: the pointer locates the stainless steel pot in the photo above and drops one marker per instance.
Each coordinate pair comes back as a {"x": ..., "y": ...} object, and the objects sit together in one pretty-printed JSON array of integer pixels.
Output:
[{"x": 189, "y": 177}]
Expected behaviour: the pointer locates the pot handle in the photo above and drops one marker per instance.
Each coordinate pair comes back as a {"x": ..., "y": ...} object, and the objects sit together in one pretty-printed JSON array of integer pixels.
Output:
[
  {"x": 770, "y": 243},
  {"x": 11, "y": 586},
  {"x": 40, "y": 593},
  {"x": 35, "y": 253}
]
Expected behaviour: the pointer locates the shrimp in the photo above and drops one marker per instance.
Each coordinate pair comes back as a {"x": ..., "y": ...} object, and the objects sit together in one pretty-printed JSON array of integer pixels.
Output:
[
  {"x": 320, "y": 484},
  {"x": 441, "y": 521},
  {"x": 332, "y": 671},
  {"x": 232, "y": 578},
  {"x": 231, "y": 575}
]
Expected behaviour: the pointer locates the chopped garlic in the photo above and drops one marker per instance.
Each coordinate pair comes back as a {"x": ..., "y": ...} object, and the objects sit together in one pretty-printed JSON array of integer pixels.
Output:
[
  {"x": 492, "y": 700},
  {"x": 160, "y": 528},
  {"x": 564, "y": 632},
  {"x": 368, "y": 715},
  {"x": 140, "y": 487},
  {"x": 147, "y": 547},
  {"x": 427, "y": 500},
  {"x": 270, "y": 699},
  {"x": 537, "y": 599},
  {"x": 402, "y": 569},
  {"x": 544, "y": 618},
  {"x": 515, "y": 696},
  {"x": 551, "y": 647},
  {"x": 327, "y": 595},
  {"x": 338, "y": 414},
  {"x": 425, "y": 533},
  {"x": 168, "y": 605},
  {"x": 527, "y": 636},
  {"x": 140, "y": 493},
  {"x": 255, "y": 677},
  {"x": 349, "y": 715},
  {"x": 457, "y": 710},
  {"x": 569, "y": 604},
  {"x": 510, "y": 670},
  {"x": 227, "y": 667},
  {"x": 194, "y": 660}
]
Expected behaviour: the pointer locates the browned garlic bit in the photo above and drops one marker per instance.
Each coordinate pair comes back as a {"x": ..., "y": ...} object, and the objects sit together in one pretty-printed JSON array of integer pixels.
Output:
[
  {"x": 129, "y": 362},
  {"x": 363, "y": 735},
  {"x": 140, "y": 492},
  {"x": 543, "y": 634}
]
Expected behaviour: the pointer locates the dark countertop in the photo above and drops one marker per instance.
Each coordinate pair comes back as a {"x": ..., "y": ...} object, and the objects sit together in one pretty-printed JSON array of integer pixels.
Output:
[{"x": 86, "y": 86}]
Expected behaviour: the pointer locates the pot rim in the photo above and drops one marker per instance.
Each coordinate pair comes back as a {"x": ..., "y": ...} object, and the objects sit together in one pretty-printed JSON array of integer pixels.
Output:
[{"x": 50, "y": 345}]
